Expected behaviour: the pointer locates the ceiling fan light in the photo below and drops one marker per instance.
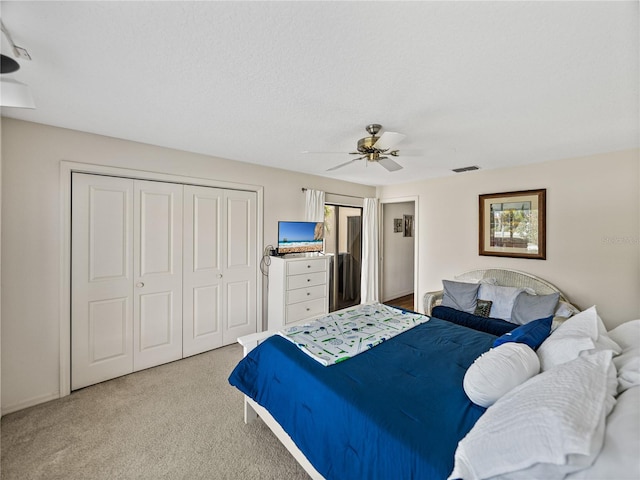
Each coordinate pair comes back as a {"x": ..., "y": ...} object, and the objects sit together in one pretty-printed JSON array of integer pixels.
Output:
[{"x": 15, "y": 94}]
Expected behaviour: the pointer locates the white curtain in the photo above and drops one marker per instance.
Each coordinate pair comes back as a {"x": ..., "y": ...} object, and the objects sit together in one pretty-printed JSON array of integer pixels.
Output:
[
  {"x": 314, "y": 205},
  {"x": 369, "y": 279}
]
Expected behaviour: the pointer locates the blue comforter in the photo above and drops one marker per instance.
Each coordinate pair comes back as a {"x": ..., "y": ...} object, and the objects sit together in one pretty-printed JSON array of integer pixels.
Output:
[{"x": 396, "y": 411}]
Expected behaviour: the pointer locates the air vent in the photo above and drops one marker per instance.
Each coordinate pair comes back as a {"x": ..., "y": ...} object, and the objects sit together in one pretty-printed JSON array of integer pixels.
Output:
[{"x": 466, "y": 169}]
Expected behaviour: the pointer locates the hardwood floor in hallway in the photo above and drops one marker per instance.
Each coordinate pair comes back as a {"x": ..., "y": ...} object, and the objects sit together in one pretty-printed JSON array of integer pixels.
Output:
[{"x": 405, "y": 302}]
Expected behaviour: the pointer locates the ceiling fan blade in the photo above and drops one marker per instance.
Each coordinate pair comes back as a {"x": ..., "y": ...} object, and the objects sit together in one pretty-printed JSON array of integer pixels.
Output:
[
  {"x": 343, "y": 164},
  {"x": 308, "y": 152},
  {"x": 388, "y": 140},
  {"x": 389, "y": 164}
]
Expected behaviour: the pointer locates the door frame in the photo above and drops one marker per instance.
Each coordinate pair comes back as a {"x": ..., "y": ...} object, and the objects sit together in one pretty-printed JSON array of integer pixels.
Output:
[
  {"x": 416, "y": 224},
  {"x": 66, "y": 169}
]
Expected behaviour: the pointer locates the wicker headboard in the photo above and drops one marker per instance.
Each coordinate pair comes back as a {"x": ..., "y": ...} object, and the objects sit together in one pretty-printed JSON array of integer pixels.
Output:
[{"x": 504, "y": 277}]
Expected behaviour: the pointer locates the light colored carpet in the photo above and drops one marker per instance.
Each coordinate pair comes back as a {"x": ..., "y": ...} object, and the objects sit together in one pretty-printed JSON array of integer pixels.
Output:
[{"x": 177, "y": 421}]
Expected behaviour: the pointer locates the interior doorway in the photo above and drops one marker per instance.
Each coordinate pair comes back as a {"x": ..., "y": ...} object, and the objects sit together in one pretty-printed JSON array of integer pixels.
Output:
[
  {"x": 343, "y": 244},
  {"x": 398, "y": 253}
]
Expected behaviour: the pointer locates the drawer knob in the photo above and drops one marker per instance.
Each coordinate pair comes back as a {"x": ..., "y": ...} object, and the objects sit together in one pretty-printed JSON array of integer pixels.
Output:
[
  {"x": 308, "y": 266},
  {"x": 308, "y": 293},
  {"x": 308, "y": 279},
  {"x": 308, "y": 309}
]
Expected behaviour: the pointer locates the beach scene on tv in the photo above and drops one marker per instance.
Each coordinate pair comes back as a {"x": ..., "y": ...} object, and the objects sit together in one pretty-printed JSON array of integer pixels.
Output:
[{"x": 300, "y": 237}]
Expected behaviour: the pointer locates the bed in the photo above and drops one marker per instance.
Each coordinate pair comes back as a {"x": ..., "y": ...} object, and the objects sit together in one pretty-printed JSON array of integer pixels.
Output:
[{"x": 400, "y": 409}]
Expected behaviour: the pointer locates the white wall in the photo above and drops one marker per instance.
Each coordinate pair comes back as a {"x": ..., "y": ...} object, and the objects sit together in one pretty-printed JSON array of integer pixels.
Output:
[
  {"x": 397, "y": 253},
  {"x": 31, "y": 236},
  {"x": 593, "y": 228}
]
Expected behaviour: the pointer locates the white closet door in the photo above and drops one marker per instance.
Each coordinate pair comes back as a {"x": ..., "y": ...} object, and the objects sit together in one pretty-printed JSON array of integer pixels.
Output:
[
  {"x": 157, "y": 332},
  {"x": 202, "y": 280},
  {"x": 101, "y": 272},
  {"x": 239, "y": 311}
]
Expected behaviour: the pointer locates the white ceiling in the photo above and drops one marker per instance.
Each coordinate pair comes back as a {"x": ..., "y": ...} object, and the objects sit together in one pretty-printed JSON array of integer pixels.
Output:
[{"x": 491, "y": 84}]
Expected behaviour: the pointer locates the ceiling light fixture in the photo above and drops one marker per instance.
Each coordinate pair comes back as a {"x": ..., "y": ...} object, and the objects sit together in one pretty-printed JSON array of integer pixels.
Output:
[{"x": 14, "y": 93}]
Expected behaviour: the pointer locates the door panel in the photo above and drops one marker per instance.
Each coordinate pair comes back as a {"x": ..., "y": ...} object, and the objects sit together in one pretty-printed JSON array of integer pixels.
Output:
[
  {"x": 156, "y": 231},
  {"x": 240, "y": 308},
  {"x": 157, "y": 329},
  {"x": 205, "y": 215},
  {"x": 107, "y": 329},
  {"x": 203, "y": 277},
  {"x": 239, "y": 231},
  {"x": 206, "y": 311},
  {"x": 101, "y": 279}
]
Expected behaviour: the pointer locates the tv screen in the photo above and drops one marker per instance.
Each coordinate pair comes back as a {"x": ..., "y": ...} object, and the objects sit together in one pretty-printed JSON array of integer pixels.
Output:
[{"x": 300, "y": 237}]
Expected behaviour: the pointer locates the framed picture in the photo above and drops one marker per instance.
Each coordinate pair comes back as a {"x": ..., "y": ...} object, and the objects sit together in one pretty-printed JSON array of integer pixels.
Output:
[
  {"x": 397, "y": 225},
  {"x": 408, "y": 226},
  {"x": 512, "y": 224}
]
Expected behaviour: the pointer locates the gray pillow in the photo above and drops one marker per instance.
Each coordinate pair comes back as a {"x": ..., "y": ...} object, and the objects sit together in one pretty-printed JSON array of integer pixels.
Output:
[
  {"x": 527, "y": 307},
  {"x": 459, "y": 295}
]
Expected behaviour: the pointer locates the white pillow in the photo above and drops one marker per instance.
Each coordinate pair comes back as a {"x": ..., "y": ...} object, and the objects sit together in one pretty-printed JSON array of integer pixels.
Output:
[
  {"x": 547, "y": 427},
  {"x": 626, "y": 334},
  {"x": 496, "y": 372},
  {"x": 628, "y": 366},
  {"x": 619, "y": 455},
  {"x": 502, "y": 299},
  {"x": 582, "y": 332}
]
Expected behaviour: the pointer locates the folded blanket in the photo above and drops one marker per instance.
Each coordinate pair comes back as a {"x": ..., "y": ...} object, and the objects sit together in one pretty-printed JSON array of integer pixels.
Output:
[{"x": 343, "y": 334}]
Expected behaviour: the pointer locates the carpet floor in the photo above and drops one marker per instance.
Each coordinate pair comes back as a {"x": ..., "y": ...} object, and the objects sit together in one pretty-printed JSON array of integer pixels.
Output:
[{"x": 181, "y": 420}]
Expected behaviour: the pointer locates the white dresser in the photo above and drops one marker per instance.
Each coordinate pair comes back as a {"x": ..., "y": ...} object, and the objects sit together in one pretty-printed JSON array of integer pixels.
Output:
[{"x": 298, "y": 289}]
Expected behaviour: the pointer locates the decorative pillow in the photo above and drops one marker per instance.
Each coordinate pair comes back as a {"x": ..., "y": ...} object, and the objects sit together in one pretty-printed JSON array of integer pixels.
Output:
[
  {"x": 531, "y": 334},
  {"x": 483, "y": 308},
  {"x": 459, "y": 295},
  {"x": 564, "y": 310},
  {"x": 503, "y": 299},
  {"x": 494, "y": 326},
  {"x": 551, "y": 425},
  {"x": 496, "y": 372},
  {"x": 527, "y": 307},
  {"x": 582, "y": 332}
]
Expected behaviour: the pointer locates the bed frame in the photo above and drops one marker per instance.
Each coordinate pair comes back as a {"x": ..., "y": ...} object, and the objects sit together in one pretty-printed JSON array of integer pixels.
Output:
[
  {"x": 504, "y": 277},
  {"x": 252, "y": 410}
]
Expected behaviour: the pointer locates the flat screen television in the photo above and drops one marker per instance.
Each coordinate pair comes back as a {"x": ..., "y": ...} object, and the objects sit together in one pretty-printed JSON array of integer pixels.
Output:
[{"x": 300, "y": 237}]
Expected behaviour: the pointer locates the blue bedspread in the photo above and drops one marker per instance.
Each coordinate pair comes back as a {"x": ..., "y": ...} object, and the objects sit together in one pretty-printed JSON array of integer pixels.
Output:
[{"x": 396, "y": 411}]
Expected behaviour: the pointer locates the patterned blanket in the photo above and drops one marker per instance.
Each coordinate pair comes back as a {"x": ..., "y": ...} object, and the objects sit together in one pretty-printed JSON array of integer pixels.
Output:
[{"x": 344, "y": 334}]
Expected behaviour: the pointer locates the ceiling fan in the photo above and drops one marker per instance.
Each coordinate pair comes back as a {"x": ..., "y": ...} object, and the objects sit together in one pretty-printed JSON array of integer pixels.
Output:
[{"x": 376, "y": 149}]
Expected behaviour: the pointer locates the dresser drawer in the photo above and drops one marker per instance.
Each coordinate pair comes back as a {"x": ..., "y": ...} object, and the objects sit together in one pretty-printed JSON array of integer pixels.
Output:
[
  {"x": 307, "y": 280},
  {"x": 306, "y": 266},
  {"x": 302, "y": 310},
  {"x": 304, "y": 294}
]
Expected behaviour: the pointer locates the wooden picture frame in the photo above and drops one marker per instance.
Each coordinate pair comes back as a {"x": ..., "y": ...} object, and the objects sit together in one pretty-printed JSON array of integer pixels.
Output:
[{"x": 513, "y": 224}]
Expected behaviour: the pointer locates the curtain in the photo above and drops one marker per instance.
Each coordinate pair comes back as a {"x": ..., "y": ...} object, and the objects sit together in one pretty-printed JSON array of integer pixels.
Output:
[
  {"x": 314, "y": 205},
  {"x": 369, "y": 279}
]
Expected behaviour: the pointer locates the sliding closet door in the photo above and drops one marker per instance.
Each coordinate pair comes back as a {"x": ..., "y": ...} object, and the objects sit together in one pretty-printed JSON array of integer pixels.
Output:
[
  {"x": 157, "y": 322},
  {"x": 102, "y": 279},
  {"x": 203, "y": 269}
]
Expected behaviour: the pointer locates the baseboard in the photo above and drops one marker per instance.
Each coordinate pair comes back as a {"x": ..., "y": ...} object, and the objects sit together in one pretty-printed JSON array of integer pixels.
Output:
[{"x": 6, "y": 409}]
